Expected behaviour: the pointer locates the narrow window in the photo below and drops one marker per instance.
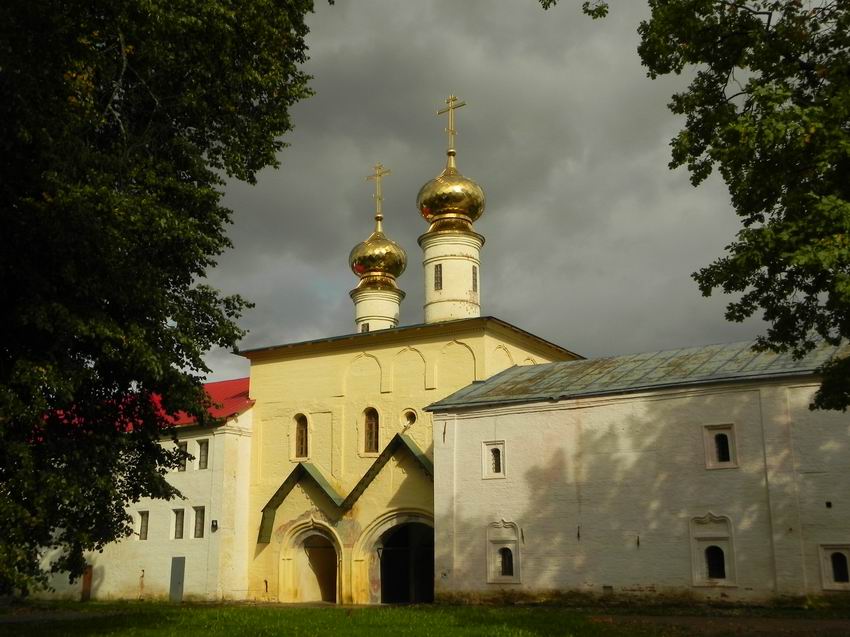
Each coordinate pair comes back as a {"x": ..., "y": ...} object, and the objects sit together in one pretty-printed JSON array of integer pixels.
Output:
[
  {"x": 840, "y": 573},
  {"x": 715, "y": 562},
  {"x": 301, "y": 447},
  {"x": 178, "y": 524},
  {"x": 182, "y": 446},
  {"x": 144, "y": 516},
  {"x": 364, "y": 327},
  {"x": 496, "y": 460},
  {"x": 475, "y": 278},
  {"x": 721, "y": 447},
  {"x": 506, "y": 562},
  {"x": 371, "y": 420},
  {"x": 203, "y": 454},
  {"x": 438, "y": 276},
  {"x": 199, "y": 521}
]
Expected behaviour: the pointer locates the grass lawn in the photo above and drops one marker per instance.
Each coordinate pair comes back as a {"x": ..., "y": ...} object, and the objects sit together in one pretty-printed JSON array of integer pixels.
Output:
[{"x": 160, "y": 619}]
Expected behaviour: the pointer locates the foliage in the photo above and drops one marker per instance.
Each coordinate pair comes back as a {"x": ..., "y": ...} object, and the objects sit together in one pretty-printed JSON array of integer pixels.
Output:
[
  {"x": 769, "y": 106},
  {"x": 117, "y": 122}
]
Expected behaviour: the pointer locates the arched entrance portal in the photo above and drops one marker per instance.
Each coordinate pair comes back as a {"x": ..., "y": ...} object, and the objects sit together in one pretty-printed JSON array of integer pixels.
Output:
[
  {"x": 407, "y": 564},
  {"x": 316, "y": 569}
]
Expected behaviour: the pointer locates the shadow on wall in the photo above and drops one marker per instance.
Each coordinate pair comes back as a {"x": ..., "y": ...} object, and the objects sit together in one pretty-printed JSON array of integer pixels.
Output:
[{"x": 605, "y": 497}]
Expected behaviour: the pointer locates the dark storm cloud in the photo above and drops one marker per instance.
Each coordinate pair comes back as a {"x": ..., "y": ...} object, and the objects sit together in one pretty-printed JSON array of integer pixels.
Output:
[{"x": 590, "y": 238}]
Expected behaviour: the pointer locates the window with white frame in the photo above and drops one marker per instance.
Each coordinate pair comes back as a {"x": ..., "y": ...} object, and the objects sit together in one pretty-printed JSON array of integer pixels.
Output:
[
  {"x": 720, "y": 448},
  {"x": 184, "y": 447},
  {"x": 493, "y": 459},
  {"x": 503, "y": 559},
  {"x": 200, "y": 514},
  {"x": 203, "y": 454},
  {"x": 179, "y": 516},
  {"x": 835, "y": 566},
  {"x": 712, "y": 551}
]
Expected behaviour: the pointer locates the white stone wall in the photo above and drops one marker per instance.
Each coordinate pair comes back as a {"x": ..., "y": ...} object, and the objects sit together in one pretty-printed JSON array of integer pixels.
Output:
[
  {"x": 608, "y": 492},
  {"x": 216, "y": 565}
]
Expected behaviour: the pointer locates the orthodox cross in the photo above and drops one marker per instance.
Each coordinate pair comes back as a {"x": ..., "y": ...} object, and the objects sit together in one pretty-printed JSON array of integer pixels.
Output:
[
  {"x": 380, "y": 173},
  {"x": 452, "y": 103}
]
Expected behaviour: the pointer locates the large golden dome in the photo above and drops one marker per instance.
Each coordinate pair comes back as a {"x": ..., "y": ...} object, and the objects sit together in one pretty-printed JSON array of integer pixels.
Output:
[
  {"x": 450, "y": 200},
  {"x": 377, "y": 255}
]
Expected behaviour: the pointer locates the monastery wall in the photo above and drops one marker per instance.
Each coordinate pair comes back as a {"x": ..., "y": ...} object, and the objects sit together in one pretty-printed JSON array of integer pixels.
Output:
[{"x": 626, "y": 494}]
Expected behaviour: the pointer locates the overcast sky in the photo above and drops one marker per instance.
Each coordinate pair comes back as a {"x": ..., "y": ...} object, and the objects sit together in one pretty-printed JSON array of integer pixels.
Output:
[{"x": 590, "y": 238}]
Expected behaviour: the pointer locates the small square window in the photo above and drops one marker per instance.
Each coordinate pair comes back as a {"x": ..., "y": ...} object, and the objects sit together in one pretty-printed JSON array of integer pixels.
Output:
[
  {"x": 493, "y": 459},
  {"x": 203, "y": 454},
  {"x": 835, "y": 567},
  {"x": 720, "y": 448},
  {"x": 199, "y": 521},
  {"x": 364, "y": 327},
  {"x": 178, "y": 523},
  {"x": 144, "y": 517}
]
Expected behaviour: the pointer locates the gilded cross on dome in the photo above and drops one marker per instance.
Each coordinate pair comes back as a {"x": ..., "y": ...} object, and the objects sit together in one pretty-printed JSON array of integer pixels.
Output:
[
  {"x": 452, "y": 104},
  {"x": 380, "y": 173}
]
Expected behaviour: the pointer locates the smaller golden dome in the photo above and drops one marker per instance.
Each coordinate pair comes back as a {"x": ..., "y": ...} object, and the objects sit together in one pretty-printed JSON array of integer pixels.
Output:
[
  {"x": 450, "y": 196},
  {"x": 378, "y": 255}
]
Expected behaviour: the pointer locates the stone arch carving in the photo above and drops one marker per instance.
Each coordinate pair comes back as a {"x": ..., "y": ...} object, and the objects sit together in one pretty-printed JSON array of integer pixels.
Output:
[
  {"x": 408, "y": 369},
  {"x": 366, "y": 567},
  {"x": 529, "y": 361},
  {"x": 292, "y": 543},
  {"x": 457, "y": 366},
  {"x": 363, "y": 375},
  {"x": 501, "y": 359}
]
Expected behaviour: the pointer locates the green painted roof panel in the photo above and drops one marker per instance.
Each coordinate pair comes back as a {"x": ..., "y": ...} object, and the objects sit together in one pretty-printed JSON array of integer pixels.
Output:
[{"x": 637, "y": 372}]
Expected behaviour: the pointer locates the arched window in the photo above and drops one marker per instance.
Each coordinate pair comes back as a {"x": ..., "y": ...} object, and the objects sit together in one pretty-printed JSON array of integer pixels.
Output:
[
  {"x": 839, "y": 568},
  {"x": 721, "y": 446},
  {"x": 475, "y": 278},
  {"x": 495, "y": 460},
  {"x": 715, "y": 562},
  {"x": 506, "y": 562},
  {"x": 301, "y": 442},
  {"x": 370, "y": 417},
  {"x": 438, "y": 276}
]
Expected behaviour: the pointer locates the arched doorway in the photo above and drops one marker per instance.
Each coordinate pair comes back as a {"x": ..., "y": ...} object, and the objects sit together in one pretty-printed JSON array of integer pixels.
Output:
[
  {"x": 407, "y": 564},
  {"x": 316, "y": 569}
]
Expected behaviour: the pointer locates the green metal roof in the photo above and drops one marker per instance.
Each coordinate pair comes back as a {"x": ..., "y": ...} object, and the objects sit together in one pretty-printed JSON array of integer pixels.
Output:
[
  {"x": 636, "y": 372},
  {"x": 306, "y": 470}
]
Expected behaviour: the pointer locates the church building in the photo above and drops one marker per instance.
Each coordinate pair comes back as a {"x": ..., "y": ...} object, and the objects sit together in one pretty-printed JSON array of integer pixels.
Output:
[{"x": 463, "y": 456}]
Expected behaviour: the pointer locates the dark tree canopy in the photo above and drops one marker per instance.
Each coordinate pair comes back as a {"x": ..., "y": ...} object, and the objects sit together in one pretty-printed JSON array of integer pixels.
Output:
[
  {"x": 769, "y": 107},
  {"x": 118, "y": 120}
]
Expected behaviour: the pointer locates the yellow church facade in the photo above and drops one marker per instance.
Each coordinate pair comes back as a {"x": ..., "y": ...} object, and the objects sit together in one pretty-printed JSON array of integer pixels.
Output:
[{"x": 345, "y": 508}]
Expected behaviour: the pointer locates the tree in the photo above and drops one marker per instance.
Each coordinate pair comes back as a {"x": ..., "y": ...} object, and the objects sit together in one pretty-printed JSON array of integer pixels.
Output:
[
  {"x": 769, "y": 106},
  {"x": 119, "y": 120}
]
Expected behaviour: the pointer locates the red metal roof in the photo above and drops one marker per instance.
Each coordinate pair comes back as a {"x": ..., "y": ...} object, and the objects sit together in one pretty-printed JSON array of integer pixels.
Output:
[{"x": 229, "y": 397}]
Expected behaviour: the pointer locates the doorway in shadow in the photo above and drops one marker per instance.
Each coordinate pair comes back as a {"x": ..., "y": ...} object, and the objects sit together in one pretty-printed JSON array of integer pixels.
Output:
[
  {"x": 318, "y": 581},
  {"x": 407, "y": 564}
]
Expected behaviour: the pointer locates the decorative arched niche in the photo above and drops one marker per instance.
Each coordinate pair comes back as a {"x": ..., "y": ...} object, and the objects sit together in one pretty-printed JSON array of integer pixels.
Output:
[{"x": 503, "y": 553}]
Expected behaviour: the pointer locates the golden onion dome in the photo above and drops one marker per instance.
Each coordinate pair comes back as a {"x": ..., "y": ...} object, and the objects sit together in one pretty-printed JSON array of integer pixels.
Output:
[
  {"x": 450, "y": 196},
  {"x": 378, "y": 255}
]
